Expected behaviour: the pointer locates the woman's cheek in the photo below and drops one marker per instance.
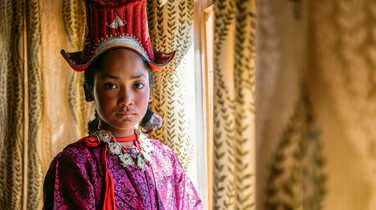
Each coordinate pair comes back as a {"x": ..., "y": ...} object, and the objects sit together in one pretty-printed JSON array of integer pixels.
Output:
[
  {"x": 142, "y": 103},
  {"x": 107, "y": 99},
  {"x": 144, "y": 97}
]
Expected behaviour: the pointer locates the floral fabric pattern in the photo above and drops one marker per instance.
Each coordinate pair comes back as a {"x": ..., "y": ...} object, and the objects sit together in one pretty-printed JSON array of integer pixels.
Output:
[{"x": 76, "y": 180}]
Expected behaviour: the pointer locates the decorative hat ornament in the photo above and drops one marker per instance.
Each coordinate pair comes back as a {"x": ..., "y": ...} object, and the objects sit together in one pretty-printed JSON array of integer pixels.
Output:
[{"x": 116, "y": 24}]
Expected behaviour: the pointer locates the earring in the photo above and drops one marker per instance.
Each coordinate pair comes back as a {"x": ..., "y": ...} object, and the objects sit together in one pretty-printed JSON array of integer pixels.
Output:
[
  {"x": 99, "y": 123},
  {"x": 88, "y": 92},
  {"x": 89, "y": 98},
  {"x": 136, "y": 127}
]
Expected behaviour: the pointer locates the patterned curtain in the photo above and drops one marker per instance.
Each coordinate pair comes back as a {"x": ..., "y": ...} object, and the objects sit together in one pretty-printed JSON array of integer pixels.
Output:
[
  {"x": 234, "y": 108},
  {"x": 12, "y": 104},
  {"x": 170, "y": 27},
  {"x": 289, "y": 145},
  {"x": 343, "y": 64},
  {"x": 315, "y": 113},
  {"x": 74, "y": 16},
  {"x": 296, "y": 179},
  {"x": 36, "y": 134},
  {"x": 21, "y": 106},
  {"x": 281, "y": 126}
]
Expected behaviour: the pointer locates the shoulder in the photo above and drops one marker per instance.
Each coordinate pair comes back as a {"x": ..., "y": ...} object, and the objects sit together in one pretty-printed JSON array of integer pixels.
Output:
[
  {"x": 159, "y": 147},
  {"x": 77, "y": 153},
  {"x": 77, "y": 160},
  {"x": 73, "y": 150},
  {"x": 164, "y": 156}
]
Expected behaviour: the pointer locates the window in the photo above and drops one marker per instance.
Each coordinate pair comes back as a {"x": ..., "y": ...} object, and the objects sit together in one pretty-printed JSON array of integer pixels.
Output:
[{"x": 203, "y": 53}]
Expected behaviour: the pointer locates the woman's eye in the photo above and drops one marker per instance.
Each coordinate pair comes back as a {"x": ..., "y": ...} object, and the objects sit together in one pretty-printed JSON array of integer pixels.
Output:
[
  {"x": 139, "y": 85},
  {"x": 110, "y": 86}
]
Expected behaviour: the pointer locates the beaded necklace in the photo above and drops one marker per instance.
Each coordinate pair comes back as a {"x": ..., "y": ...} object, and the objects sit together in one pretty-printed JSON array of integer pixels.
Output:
[{"x": 136, "y": 157}]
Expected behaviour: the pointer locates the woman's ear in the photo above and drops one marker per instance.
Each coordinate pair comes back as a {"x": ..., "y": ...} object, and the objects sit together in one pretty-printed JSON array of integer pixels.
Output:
[
  {"x": 150, "y": 95},
  {"x": 89, "y": 96}
]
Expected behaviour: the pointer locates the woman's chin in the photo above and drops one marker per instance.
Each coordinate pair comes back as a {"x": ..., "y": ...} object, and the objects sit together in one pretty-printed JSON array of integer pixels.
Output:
[
  {"x": 124, "y": 124},
  {"x": 121, "y": 124}
]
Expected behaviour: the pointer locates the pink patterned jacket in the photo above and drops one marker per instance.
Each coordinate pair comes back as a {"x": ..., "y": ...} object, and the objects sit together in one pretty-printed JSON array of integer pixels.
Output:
[{"x": 76, "y": 180}]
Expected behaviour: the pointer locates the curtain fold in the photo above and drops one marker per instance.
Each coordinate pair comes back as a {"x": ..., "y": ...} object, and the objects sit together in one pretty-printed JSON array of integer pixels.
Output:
[
  {"x": 12, "y": 105},
  {"x": 74, "y": 17},
  {"x": 34, "y": 141},
  {"x": 234, "y": 108},
  {"x": 296, "y": 179},
  {"x": 315, "y": 114},
  {"x": 22, "y": 142},
  {"x": 281, "y": 114},
  {"x": 343, "y": 63}
]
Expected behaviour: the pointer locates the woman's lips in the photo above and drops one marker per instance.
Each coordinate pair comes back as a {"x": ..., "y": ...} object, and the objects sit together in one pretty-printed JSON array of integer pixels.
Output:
[{"x": 126, "y": 114}]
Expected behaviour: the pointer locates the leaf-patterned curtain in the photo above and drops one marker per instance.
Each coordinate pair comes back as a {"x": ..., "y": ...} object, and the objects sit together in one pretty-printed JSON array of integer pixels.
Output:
[
  {"x": 21, "y": 116},
  {"x": 315, "y": 105},
  {"x": 74, "y": 17},
  {"x": 12, "y": 104},
  {"x": 170, "y": 25},
  {"x": 343, "y": 62},
  {"x": 36, "y": 113},
  {"x": 234, "y": 97},
  {"x": 290, "y": 159}
]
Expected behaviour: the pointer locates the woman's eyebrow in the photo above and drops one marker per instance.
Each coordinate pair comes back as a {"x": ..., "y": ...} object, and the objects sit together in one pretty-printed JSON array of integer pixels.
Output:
[
  {"x": 138, "y": 76},
  {"x": 106, "y": 75}
]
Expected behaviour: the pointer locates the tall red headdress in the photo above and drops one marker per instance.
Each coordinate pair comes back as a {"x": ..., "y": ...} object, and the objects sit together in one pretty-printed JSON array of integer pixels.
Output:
[{"x": 113, "y": 24}]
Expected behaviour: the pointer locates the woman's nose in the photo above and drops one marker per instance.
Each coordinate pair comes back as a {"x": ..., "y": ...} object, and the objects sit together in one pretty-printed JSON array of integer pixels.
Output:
[{"x": 126, "y": 96}]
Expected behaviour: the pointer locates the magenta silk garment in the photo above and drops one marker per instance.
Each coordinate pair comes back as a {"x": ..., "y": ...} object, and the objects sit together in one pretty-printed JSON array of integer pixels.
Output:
[{"x": 76, "y": 180}]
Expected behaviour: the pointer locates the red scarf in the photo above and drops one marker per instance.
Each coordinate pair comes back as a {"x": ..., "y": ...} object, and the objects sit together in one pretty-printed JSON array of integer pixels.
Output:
[{"x": 109, "y": 196}]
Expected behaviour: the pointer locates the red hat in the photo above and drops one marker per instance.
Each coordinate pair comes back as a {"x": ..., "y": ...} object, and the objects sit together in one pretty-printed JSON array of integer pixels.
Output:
[{"x": 116, "y": 24}]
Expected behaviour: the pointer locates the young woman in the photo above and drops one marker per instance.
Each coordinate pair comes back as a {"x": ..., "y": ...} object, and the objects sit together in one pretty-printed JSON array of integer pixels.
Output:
[{"x": 116, "y": 166}]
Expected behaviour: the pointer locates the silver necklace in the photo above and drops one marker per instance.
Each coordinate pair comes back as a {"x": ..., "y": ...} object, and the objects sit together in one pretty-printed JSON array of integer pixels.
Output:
[{"x": 134, "y": 157}]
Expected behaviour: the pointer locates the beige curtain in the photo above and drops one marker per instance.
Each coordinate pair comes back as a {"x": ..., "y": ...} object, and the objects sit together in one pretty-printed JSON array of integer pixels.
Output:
[
  {"x": 170, "y": 25},
  {"x": 234, "y": 109},
  {"x": 74, "y": 17},
  {"x": 22, "y": 106},
  {"x": 343, "y": 64},
  {"x": 281, "y": 111},
  {"x": 12, "y": 104},
  {"x": 315, "y": 112},
  {"x": 36, "y": 134}
]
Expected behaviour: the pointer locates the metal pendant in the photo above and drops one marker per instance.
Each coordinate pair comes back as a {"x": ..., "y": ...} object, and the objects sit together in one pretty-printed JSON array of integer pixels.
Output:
[{"x": 141, "y": 162}]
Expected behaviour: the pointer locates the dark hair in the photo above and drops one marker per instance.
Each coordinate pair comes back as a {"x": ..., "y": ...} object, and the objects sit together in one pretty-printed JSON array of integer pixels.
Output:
[{"x": 95, "y": 66}]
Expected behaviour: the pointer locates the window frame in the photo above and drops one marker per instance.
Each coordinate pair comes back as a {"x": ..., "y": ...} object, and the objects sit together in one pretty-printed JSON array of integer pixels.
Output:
[{"x": 204, "y": 126}]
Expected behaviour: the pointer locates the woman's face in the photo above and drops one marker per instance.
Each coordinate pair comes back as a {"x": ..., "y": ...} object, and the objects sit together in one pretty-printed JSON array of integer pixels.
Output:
[{"x": 121, "y": 91}]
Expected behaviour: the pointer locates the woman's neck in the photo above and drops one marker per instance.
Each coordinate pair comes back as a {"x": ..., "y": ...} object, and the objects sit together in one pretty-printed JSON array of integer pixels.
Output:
[
  {"x": 122, "y": 133},
  {"x": 118, "y": 132}
]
